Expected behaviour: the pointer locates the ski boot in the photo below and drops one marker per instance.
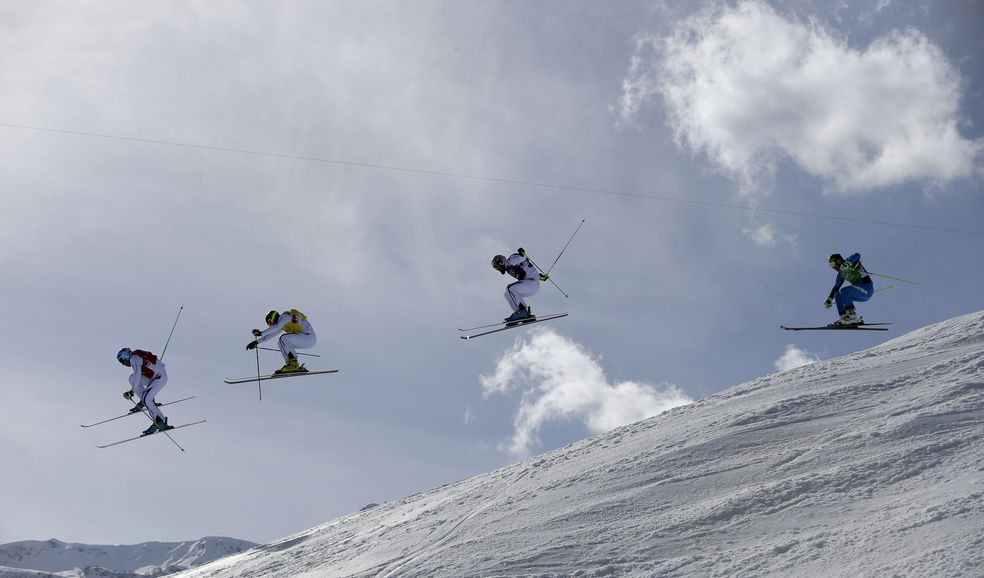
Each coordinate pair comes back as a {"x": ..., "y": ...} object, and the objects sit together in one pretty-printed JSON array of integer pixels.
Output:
[
  {"x": 139, "y": 407},
  {"x": 521, "y": 315},
  {"x": 158, "y": 425},
  {"x": 291, "y": 367},
  {"x": 847, "y": 319}
]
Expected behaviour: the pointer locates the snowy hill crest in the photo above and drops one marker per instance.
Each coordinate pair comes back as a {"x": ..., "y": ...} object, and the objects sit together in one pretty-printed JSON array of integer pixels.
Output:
[
  {"x": 68, "y": 560},
  {"x": 865, "y": 465}
]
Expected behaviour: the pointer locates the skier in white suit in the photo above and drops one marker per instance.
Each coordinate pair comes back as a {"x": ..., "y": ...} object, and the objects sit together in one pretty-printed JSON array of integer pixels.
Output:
[{"x": 527, "y": 284}]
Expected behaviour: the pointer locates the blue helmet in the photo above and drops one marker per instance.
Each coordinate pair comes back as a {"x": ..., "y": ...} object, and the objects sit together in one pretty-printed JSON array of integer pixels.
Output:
[{"x": 123, "y": 355}]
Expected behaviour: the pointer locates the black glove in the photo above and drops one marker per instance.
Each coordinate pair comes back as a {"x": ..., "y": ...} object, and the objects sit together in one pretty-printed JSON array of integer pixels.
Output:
[
  {"x": 543, "y": 277},
  {"x": 257, "y": 333},
  {"x": 522, "y": 252},
  {"x": 252, "y": 345},
  {"x": 828, "y": 302},
  {"x": 128, "y": 394}
]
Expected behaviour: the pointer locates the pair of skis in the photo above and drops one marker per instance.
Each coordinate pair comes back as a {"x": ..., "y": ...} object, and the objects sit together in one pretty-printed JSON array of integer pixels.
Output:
[
  {"x": 858, "y": 327},
  {"x": 259, "y": 379},
  {"x": 504, "y": 325},
  {"x": 234, "y": 380},
  {"x": 149, "y": 434}
]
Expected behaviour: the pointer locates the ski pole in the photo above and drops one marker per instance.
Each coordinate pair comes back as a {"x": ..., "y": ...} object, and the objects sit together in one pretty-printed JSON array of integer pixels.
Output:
[
  {"x": 564, "y": 249},
  {"x": 297, "y": 353},
  {"x": 259, "y": 382},
  {"x": 172, "y": 333},
  {"x": 166, "y": 343},
  {"x": 547, "y": 272},
  {"x": 892, "y": 278},
  {"x": 884, "y": 288},
  {"x": 547, "y": 276}
]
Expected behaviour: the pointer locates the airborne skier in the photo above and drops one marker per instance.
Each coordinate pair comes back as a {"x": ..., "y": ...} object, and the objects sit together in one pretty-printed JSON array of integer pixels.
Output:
[
  {"x": 860, "y": 289},
  {"x": 528, "y": 276},
  {"x": 527, "y": 284},
  {"x": 148, "y": 379},
  {"x": 298, "y": 334}
]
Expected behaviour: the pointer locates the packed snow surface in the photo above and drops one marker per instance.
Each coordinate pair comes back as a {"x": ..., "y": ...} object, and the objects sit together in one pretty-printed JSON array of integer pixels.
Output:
[{"x": 870, "y": 464}]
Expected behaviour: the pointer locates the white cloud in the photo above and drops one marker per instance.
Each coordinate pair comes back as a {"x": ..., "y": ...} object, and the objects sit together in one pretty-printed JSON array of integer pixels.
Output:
[
  {"x": 764, "y": 235},
  {"x": 750, "y": 89},
  {"x": 768, "y": 235},
  {"x": 795, "y": 357},
  {"x": 559, "y": 380},
  {"x": 882, "y": 4}
]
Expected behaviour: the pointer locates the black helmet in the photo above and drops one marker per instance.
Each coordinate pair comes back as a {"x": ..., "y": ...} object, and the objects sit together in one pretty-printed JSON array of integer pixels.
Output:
[
  {"x": 272, "y": 318},
  {"x": 835, "y": 260},
  {"x": 499, "y": 263}
]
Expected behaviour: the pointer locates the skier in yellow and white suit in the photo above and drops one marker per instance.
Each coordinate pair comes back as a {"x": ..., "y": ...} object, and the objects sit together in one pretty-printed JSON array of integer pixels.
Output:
[{"x": 298, "y": 334}]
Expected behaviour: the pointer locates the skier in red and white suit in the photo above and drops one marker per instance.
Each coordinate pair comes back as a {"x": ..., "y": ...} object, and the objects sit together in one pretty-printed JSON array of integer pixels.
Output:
[{"x": 148, "y": 379}]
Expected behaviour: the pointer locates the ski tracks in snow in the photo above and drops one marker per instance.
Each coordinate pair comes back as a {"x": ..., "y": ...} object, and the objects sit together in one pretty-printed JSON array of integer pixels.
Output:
[{"x": 446, "y": 530}]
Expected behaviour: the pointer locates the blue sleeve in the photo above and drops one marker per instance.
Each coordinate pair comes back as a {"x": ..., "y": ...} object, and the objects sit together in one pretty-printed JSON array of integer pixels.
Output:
[
  {"x": 854, "y": 259},
  {"x": 837, "y": 285}
]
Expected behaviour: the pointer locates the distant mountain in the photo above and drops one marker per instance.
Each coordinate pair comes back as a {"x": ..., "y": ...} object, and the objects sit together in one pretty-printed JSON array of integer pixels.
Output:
[
  {"x": 34, "y": 559},
  {"x": 871, "y": 464}
]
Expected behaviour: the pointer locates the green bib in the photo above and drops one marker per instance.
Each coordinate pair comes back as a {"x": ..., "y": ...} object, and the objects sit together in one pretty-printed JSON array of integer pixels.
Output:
[{"x": 852, "y": 275}]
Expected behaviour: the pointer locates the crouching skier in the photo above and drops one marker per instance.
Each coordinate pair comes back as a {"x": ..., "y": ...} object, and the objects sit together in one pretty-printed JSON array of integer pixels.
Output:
[{"x": 148, "y": 379}]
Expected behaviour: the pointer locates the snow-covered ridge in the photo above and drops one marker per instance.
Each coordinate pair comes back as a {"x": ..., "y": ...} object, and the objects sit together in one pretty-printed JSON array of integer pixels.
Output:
[
  {"x": 865, "y": 465},
  {"x": 44, "y": 558}
]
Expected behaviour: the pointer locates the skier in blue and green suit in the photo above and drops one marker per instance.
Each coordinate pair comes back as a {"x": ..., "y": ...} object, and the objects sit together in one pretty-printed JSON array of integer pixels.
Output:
[{"x": 860, "y": 289}]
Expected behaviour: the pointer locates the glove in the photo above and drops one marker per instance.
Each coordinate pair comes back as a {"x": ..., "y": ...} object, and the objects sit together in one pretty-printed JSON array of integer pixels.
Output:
[
  {"x": 128, "y": 394},
  {"x": 522, "y": 252},
  {"x": 543, "y": 277},
  {"x": 828, "y": 303},
  {"x": 257, "y": 333},
  {"x": 252, "y": 345}
]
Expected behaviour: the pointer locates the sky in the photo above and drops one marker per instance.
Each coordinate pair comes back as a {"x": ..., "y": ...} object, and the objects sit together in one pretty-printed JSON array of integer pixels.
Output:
[{"x": 363, "y": 161}]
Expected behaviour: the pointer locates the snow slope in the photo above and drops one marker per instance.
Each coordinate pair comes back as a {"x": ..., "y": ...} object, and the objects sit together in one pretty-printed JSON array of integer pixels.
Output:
[
  {"x": 35, "y": 558},
  {"x": 871, "y": 464}
]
